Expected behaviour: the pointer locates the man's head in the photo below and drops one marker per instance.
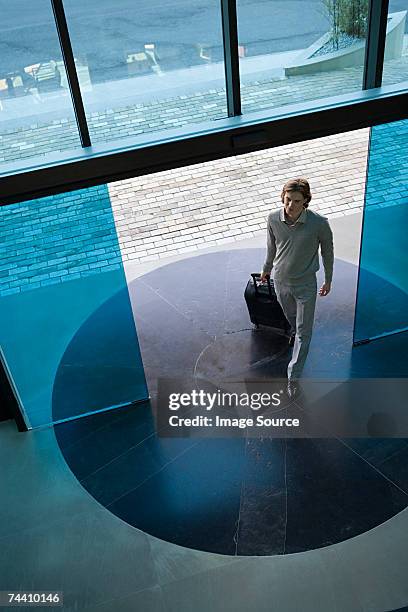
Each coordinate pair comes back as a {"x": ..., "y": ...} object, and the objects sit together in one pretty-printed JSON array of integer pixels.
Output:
[{"x": 295, "y": 196}]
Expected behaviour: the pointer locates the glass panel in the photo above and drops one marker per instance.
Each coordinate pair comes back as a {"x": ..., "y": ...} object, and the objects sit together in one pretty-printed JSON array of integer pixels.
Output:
[
  {"x": 382, "y": 297},
  {"x": 291, "y": 52},
  {"x": 396, "y": 44},
  {"x": 147, "y": 66},
  {"x": 67, "y": 330},
  {"x": 36, "y": 115}
]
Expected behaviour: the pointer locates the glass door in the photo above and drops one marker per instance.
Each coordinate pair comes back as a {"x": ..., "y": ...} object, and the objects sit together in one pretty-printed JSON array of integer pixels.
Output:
[
  {"x": 382, "y": 293},
  {"x": 67, "y": 334}
]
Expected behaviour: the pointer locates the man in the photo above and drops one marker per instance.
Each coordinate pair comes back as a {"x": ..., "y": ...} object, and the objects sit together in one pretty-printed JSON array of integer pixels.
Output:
[{"x": 294, "y": 234}]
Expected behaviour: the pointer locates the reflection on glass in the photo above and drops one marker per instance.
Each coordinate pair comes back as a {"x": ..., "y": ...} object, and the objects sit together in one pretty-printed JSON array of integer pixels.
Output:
[
  {"x": 36, "y": 115},
  {"x": 291, "y": 52},
  {"x": 382, "y": 298},
  {"x": 68, "y": 334},
  {"x": 396, "y": 44},
  {"x": 145, "y": 67}
]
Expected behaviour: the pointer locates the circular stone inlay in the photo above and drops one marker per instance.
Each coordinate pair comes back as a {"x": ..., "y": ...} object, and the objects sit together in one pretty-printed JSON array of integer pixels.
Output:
[{"x": 245, "y": 496}]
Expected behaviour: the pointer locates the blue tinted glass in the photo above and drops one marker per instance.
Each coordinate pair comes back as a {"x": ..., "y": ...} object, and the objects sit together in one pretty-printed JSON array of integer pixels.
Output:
[
  {"x": 67, "y": 331},
  {"x": 382, "y": 298}
]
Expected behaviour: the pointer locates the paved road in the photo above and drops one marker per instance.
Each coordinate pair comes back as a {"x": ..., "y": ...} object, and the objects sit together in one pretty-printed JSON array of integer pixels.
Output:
[{"x": 103, "y": 31}]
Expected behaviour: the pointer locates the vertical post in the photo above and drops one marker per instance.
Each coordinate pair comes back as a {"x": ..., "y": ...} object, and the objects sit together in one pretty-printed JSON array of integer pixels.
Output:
[
  {"x": 375, "y": 44},
  {"x": 231, "y": 59},
  {"x": 68, "y": 57}
]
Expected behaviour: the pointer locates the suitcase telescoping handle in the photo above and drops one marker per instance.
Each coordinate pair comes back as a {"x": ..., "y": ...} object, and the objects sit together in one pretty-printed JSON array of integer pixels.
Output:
[{"x": 256, "y": 276}]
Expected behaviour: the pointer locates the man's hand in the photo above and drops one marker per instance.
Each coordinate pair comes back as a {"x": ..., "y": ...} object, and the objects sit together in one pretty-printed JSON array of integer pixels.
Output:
[
  {"x": 325, "y": 289},
  {"x": 264, "y": 277}
]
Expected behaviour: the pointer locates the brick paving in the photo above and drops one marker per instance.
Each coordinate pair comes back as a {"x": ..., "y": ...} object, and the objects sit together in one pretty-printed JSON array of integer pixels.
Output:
[
  {"x": 70, "y": 236},
  {"x": 41, "y": 137},
  {"x": 226, "y": 200}
]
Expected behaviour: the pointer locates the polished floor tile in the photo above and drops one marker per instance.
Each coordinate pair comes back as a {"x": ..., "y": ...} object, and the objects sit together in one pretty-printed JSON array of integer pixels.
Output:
[
  {"x": 239, "y": 496},
  {"x": 194, "y": 500}
]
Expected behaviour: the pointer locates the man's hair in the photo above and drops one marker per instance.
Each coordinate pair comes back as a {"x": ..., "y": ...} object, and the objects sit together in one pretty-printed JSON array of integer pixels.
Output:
[{"x": 298, "y": 184}]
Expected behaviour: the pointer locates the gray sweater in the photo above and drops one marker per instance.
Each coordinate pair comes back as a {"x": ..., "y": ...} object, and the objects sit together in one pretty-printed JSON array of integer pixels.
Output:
[{"x": 292, "y": 250}]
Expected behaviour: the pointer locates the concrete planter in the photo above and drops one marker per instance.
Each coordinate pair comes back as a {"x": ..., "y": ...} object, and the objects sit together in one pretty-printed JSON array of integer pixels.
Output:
[{"x": 304, "y": 63}]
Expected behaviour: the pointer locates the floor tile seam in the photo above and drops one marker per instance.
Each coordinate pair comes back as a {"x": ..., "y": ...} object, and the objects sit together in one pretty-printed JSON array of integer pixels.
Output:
[
  {"x": 374, "y": 468},
  {"x": 63, "y": 449},
  {"x": 286, "y": 497},
  {"x": 238, "y": 521},
  {"x": 358, "y": 455},
  {"x": 159, "y": 295},
  {"x": 88, "y": 435},
  {"x": 394, "y": 454},
  {"x": 105, "y": 465},
  {"x": 193, "y": 321},
  {"x": 129, "y": 450},
  {"x": 235, "y": 537},
  {"x": 183, "y": 452}
]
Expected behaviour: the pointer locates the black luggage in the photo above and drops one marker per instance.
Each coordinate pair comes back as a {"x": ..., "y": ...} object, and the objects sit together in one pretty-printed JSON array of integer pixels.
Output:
[{"x": 263, "y": 306}]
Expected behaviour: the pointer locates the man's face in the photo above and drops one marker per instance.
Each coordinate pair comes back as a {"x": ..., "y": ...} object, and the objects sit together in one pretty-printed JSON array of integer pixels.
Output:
[{"x": 293, "y": 203}]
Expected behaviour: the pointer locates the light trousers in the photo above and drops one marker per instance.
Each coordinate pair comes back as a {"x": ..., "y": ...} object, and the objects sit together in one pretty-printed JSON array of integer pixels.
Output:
[{"x": 298, "y": 302}]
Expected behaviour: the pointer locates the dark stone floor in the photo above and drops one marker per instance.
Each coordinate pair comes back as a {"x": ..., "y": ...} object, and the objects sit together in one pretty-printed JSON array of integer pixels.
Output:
[{"x": 243, "y": 495}]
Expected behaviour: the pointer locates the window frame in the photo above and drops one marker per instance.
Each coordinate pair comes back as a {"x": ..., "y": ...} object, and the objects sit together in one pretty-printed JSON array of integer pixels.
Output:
[{"x": 149, "y": 153}]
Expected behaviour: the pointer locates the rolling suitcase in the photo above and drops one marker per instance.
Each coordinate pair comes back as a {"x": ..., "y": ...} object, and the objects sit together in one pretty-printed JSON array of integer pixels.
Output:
[{"x": 263, "y": 306}]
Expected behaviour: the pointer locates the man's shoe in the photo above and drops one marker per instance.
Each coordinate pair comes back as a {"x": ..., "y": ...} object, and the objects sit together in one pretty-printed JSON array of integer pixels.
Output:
[
  {"x": 293, "y": 389},
  {"x": 292, "y": 339}
]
